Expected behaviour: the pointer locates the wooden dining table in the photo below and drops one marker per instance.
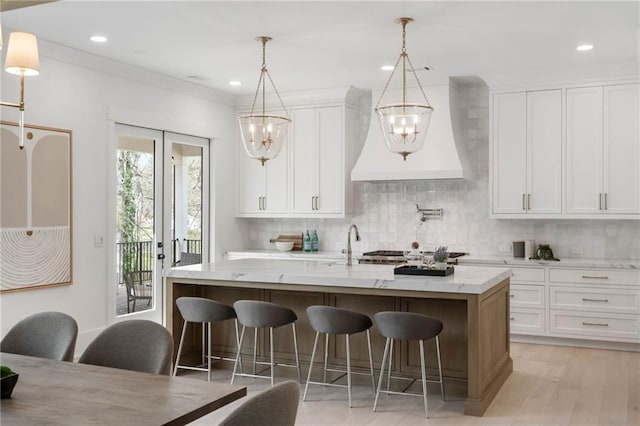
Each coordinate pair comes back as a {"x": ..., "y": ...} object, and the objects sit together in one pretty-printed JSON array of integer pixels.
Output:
[{"x": 55, "y": 392}]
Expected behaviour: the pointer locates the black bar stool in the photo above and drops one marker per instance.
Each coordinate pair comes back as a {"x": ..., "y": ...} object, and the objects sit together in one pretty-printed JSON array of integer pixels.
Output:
[
  {"x": 329, "y": 320},
  {"x": 206, "y": 312},
  {"x": 408, "y": 326},
  {"x": 257, "y": 314}
]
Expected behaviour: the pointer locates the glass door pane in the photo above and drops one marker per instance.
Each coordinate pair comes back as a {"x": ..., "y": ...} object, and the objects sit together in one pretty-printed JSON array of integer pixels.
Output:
[
  {"x": 138, "y": 222},
  {"x": 189, "y": 198}
]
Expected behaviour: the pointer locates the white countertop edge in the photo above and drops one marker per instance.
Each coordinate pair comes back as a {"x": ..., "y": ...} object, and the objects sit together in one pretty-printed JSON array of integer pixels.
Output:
[
  {"x": 466, "y": 279},
  {"x": 469, "y": 259}
]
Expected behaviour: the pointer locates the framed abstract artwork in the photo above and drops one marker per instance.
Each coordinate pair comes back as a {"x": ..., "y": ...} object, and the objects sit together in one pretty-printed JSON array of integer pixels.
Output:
[{"x": 35, "y": 208}]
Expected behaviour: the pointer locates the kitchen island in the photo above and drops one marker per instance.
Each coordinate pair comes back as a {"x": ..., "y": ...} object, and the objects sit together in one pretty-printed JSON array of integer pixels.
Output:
[{"x": 473, "y": 305}]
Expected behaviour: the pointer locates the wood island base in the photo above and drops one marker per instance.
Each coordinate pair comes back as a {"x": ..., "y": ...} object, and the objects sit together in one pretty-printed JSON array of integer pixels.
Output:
[{"x": 474, "y": 341}]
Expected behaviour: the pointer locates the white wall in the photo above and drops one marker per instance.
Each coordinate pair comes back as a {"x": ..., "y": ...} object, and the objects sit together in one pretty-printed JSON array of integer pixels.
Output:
[
  {"x": 386, "y": 212},
  {"x": 83, "y": 98}
]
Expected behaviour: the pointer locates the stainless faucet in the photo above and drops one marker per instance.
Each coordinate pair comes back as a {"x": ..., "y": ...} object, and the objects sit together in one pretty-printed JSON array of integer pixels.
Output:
[{"x": 355, "y": 228}]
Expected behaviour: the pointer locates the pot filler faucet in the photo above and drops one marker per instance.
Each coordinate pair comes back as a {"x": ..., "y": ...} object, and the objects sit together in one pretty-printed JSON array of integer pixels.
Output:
[{"x": 355, "y": 228}]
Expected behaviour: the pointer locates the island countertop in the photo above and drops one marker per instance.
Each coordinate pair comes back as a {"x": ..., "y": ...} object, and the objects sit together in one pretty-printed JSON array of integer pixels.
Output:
[{"x": 465, "y": 280}]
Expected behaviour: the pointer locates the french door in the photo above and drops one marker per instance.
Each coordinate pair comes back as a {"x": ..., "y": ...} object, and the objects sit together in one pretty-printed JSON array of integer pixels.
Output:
[{"x": 161, "y": 210}]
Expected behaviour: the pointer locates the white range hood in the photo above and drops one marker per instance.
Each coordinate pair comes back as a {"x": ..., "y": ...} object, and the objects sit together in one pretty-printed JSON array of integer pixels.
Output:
[{"x": 441, "y": 157}]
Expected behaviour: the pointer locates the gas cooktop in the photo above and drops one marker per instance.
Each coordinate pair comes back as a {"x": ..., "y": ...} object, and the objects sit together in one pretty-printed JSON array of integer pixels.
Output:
[{"x": 395, "y": 257}]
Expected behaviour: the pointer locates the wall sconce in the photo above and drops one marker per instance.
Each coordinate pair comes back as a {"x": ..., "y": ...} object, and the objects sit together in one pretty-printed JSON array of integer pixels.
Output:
[{"x": 22, "y": 59}]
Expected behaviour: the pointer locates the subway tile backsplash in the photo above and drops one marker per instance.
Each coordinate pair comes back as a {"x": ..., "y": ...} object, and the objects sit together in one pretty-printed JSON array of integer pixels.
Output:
[{"x": 387, "y": 218}]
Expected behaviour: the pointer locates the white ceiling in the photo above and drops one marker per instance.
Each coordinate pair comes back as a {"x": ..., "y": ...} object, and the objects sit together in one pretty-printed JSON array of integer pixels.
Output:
[{"x": 337, "y": 44}]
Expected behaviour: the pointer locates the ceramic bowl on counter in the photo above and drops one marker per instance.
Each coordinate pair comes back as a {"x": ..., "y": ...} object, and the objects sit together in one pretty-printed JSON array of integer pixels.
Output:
[{"x": 284, "y": 245}]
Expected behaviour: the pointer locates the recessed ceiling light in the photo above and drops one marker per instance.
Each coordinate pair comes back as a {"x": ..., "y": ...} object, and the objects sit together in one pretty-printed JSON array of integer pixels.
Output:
[
  {"x": 98, "y": 39},
  {"x": 387, "y": 68},
  {"x": 235, "y": 83},
  {"x": 584, "y": 47}
]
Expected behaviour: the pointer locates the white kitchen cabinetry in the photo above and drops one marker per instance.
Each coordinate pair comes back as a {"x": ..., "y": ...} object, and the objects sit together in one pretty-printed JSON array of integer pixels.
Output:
[
  {"x": 556, "y": 303},
  {"x": 262, "y": 190},
  {"x": 594, "y": 304},
  {"x": 527, "y": 301},
  {"x": 603, "y": 150},
  {"x": 527, "y": 153},
  {"x": 318, "y": 150},
  {"x": 309, "y": 178}
]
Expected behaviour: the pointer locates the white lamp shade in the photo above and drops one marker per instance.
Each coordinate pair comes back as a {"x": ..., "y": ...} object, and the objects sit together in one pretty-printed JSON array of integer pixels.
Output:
[
  {"x": 263, "y": 135},
  {"x": 404, "y": 126},
  {"x": 22, "y": 54}
]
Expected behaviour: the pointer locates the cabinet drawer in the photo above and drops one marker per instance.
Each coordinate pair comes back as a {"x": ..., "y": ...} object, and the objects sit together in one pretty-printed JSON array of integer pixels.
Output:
[
  {"x": 527, "y": 274},
  {"x": 581, "y": 324},
  {"x": 595, "y": 276},
  {"x": 527, "y": 321},
  {"x": 595, "y": 299},
  {"x": 526, "y": 296}
]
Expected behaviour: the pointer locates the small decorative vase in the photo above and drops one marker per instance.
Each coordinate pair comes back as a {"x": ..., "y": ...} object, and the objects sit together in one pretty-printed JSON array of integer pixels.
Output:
[
  {"x": 441, "y": 266},
  {"x": 7, "y": 384}
]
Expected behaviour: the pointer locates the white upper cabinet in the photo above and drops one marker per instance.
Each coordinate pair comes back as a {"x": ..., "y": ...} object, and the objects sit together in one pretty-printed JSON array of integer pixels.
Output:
[
  {"x": 309, "y": 177},
  {"x": 318, "y": 161},
  {"x": 603, "y": 151},
  {"x": 262, "y": 190},
  {"x": 527, "y": 153}
]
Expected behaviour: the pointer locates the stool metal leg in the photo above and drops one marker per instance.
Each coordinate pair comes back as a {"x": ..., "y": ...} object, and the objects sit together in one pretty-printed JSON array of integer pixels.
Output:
[
  {"x": 440, "y": 367},
  {"x": 326, "y": 357},
  {"x": 295, "y": 346},
  {"x": 235, "y": 365},
  {"x": 390, "y": 365},
  {"x": 202, "y": 350},
  {"x": 313, "y": 354},
  {"x": 209, "y": 326},
  {"x": 255, "y": 348},
  {"x": 271, "y": 352},
  {"x": 384, "y": 360},
  {"x": 184, "y": 329},
  {"x": 348, "y": 370},
  {"x": 373, "y": 379},
  {"x": 424, "y": 379},
  {"x": 238, "y": 343}
]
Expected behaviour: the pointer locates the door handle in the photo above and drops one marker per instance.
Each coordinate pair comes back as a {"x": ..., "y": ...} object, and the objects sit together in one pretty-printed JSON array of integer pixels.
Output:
[
  {"x": 597, "y": 324},
  {"x": 585, "y": 299},
  {"x": 264, "y": 202},
  {"x": 600, "y": 201},
  {"x": 317, "y": 202},
  {"x": 605, "y": 200},
  {"x": 528, "y": 201},
  {"x": 524, "y": 207},
  {"x": 161, "y": 256}
]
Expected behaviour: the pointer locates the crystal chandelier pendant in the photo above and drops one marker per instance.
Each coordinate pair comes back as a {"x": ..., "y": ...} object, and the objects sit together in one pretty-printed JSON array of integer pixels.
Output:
[
  {"x": 404, "y": 124},
  {"x": 263, "y": 133}
]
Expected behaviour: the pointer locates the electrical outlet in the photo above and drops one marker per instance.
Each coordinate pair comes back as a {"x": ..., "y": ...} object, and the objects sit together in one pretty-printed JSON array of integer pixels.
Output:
[
  {"x": 504, "y": 248},
  {"x": 576, "y": 251},
  {"x": 98, "y": 241}
]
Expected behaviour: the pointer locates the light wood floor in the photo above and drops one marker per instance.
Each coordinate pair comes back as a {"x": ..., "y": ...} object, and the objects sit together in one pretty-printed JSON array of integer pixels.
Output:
[{"x": 550, "y": 385}]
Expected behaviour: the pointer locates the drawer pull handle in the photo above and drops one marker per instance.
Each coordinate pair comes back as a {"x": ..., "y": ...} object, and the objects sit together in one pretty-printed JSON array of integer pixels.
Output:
[
  {"x": 593, "y": 277},
  {"x": 597, "y": 324},
  {"x": 594, "y": 300}
]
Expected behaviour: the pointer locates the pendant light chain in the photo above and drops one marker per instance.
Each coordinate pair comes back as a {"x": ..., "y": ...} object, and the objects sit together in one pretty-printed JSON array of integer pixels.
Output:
[{"x": 261, "y": 81}]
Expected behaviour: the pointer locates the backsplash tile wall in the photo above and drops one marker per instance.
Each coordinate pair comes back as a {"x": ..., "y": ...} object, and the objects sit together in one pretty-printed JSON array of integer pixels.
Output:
[{"x": 387, "y": 219}]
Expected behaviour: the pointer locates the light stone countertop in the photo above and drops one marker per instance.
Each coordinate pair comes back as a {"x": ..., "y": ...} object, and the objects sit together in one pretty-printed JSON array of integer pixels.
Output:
[
  {"x": 464, "y": 260},
  {"x": 465, "y": 280},
  {"x": 564, "y": 262}
]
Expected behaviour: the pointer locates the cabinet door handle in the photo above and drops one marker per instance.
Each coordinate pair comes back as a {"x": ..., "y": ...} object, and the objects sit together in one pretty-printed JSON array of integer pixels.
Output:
[
  {"x": 596, "y": 324},
  {"x": 317, "y": 202},
  {"x": 313, "y": 203},
  {"x": 600, "y": 201},
  {"x": 259, "y": 203},
  {"x": 593, "y": 277},
  {"x": 605, "y": 200},
  {"x": 594, "y": 300},
  {"x": 528, "y": 201},
  {"x": 264, "y": 202},
  {"x": 524, "y": 201}
]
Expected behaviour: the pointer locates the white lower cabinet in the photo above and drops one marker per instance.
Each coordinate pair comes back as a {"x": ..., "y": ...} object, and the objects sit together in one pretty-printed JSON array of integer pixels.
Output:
[
  {"x": 599, "y": 304},
  {"x": 602, "y": 304}
]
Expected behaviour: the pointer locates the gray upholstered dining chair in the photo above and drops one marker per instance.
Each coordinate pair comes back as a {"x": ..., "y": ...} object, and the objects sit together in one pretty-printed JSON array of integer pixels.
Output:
[
  {"x": 276, "y": 406},
  {"x": 138, "y": 345},
  {"x": 45, "y": 335}
]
